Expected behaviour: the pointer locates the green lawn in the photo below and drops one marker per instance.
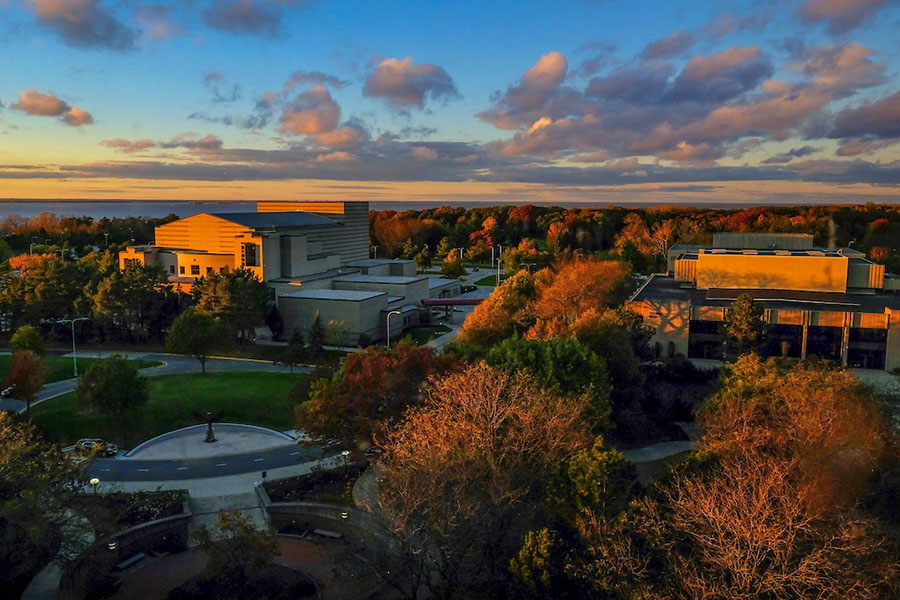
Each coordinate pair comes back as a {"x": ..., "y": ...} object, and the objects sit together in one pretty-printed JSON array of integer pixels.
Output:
[
  {"x": 420, "y": 336},
  {"x": 253, "y": 397},
  {"x": 490, "y": 280},
  {"x": 59, "y": 368}
]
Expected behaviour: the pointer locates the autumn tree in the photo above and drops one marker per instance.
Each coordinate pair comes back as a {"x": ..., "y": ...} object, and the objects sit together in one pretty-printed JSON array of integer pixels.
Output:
[
  {"x": 771, "y": 505},
  {"x": 370, "y": 389},
  {"x": 461, "y": 475},
  {"x": 744, "y": 324},
  {"x": 27, "y": 374},
  {"x": 27, "y": 337},
  {"x": 452, "y": 265},
  {"x": 574, "y": 287},
  {"x": 196, "y": 334},
  {"x": 502, "y": 313},
  {"x": 37, "y": 483}
]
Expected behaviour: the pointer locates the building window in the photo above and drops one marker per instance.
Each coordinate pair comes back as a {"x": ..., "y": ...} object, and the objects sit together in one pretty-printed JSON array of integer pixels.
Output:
[
  {"x": 250, "y": 255},
  {"x": 181, "y": 270},
  {"x": 223, "y": 270},
  {"x": 195, "y": 269},
  {"x": 172, "y": 269},
  {"x": 131, "y": 261},
  {"x": 209, "y": 270}
]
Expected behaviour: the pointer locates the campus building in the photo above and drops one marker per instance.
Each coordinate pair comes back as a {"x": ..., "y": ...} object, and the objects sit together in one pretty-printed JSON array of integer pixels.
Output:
[
  {"x": 313, "y": 255},
  {"x": 834, "y": 304}
]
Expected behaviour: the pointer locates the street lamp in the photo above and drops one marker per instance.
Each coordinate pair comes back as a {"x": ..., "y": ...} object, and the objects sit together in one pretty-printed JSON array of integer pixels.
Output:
[
  {"x": 94, "y": 483},
  {"x": 74, "y": 352},
  {"x": 106, "y": 238},
  {"x": 530, "y": 265},
  {"x": 393, "y": 312},
  {"x": 374, "y": 251},
  {"x": 346, "y": 455}
]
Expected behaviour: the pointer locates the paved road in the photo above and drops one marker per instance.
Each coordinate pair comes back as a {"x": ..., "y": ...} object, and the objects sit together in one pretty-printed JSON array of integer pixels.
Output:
[
  {"x": 173, "y": 364},
  {"x": 132, "y": 469}
]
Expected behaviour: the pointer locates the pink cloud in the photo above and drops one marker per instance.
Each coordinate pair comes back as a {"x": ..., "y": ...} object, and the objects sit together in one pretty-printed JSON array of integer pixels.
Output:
[
  {"x": 312, "y": 112},
  {"x": 423, "y": 153},
  {"x": 403, "y": 83},
  {"x": 841, "y": 15},
  {"x": 39, "y": 104},
  {"x": 127, "y": 146}
]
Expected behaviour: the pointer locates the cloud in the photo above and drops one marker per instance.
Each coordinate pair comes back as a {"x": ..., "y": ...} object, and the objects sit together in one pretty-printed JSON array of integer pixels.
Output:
[
  {"x": 840, "y": 15},
  {"x": 841, "y": 69},
  {"x": 423, "y": 153},
  {"x": 723, "y": 75},
  {"x": 256, "y": 17},
  {"x": 880, "y": 119},
  {"x": 403, "y": 83},
  {"x": 858, "y": 146},
  {"x": 644, "y": 83},
  {"x": 335, "y": 157},
  {"x": 127, "y": 146},
  {"x": 311, "y": 112},
  {"x": 303, "y": 78},
  {"x": 84, "y": 23},
  {"x": 38, "y": 104},
  {"x": 190, "y": 141},
  {"x": 790, "y": 155},
  {"x": 347, "y": 136},
  {"x": 535, "y": 96},
  {"x": 671, "y": 45},
  {"x": 216, "y": 83}
]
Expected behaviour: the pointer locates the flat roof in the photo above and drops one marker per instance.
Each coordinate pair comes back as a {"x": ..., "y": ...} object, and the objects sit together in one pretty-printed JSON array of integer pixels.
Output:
[
  {"x": 665, "y": 288},
  {"x": 342, "y": 295},
  {"x": 377, "y": 262},
  {"x": 394, "y": 279},
  {"x": 276, "y": 220},
  {"x": 434, "y": 282}
]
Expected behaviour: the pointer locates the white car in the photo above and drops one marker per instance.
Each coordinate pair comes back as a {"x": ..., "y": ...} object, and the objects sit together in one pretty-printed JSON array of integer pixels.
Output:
[{"x": 96, "y": 446}]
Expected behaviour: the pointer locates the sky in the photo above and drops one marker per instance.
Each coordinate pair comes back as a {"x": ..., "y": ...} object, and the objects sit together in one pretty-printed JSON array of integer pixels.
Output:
[{"x": 594, "y": 101}]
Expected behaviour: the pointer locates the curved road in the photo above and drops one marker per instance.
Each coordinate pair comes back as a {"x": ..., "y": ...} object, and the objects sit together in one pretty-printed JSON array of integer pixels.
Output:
[{"x": 132, "y": 469}]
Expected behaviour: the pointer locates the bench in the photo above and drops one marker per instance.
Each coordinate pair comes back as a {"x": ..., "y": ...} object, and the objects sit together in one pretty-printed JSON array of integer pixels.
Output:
[{"x": 127, "y": 563}]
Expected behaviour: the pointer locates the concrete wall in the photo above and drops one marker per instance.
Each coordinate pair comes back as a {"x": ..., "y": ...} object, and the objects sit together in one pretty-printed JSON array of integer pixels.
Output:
[
  {"x": 360, "y": 316},
  {"x": 762, "y": 241},
  {"x": 670, "y": 321},
  {"x": 892, "y": 358},
  {"x": 807, "y": 273},
  {"x": 216, "y": 262},
  {"x": 351, "y": 241}
]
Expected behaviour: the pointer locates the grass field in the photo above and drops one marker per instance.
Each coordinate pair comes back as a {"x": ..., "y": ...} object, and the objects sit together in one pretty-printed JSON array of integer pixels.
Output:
[
  {"x": 59, "y": 368},
  {"x": 490, "y": 280},
  {"x": 257, "y": 398}
]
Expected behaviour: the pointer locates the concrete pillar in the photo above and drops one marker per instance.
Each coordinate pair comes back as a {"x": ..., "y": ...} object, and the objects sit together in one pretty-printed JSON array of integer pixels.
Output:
[{"x": 805, "y": 320}]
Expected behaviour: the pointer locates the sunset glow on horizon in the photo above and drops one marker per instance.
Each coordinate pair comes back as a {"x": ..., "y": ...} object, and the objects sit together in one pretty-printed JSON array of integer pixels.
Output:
[{"x": 579, "y": 101}]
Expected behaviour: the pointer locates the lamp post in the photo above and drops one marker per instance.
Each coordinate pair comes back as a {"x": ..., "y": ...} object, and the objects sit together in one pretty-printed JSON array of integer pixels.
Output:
[
  {"x": 393, "y": 312},
  {"x": 374, "y": 251},
  {"x": 106, "y": 238},
  {"x": 74, "y": 352},
  {"x": 94, "y": 483},
  {"x": 498, "y": 272}
]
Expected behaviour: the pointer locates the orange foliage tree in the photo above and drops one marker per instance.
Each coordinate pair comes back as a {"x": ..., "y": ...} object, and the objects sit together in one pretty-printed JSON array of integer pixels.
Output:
[
  {"x": 573, "y": 288},
  {"x": 771, "y": 506},
  {"x": 28, "y": 374},
  {"x": 25, "y": 262},
  {"x": 500, "y": 314},
  {"x": 462, "y": 475},
  {"x": 371, "y": 388}
]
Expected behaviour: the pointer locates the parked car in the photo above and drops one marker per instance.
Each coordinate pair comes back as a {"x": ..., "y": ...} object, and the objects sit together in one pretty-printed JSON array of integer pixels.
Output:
[
  {"x": 8, "y": 392},
  {"x": 474, "y": 269},
  {"x": 96, "y": 447}
]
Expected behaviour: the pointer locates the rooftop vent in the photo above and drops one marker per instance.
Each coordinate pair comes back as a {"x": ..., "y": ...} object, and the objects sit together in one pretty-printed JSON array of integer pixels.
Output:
[
  {"x": 815, "y": 253},
  {"x": 749, "y": 252},
  {"x": 782, "y": 252}
]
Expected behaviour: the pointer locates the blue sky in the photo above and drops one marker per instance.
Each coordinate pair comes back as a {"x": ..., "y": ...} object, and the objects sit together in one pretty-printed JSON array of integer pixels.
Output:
[{"x": 596, "y": 101}]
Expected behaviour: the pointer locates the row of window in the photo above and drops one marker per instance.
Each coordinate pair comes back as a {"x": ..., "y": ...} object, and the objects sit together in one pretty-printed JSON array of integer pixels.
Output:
[{"x": 195, "y": 270}]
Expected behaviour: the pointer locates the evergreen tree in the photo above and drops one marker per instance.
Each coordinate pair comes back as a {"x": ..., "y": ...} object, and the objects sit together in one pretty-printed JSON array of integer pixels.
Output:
[
  {"x": 317, "y": 336},
  {"x": 744, "y": 324}
]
